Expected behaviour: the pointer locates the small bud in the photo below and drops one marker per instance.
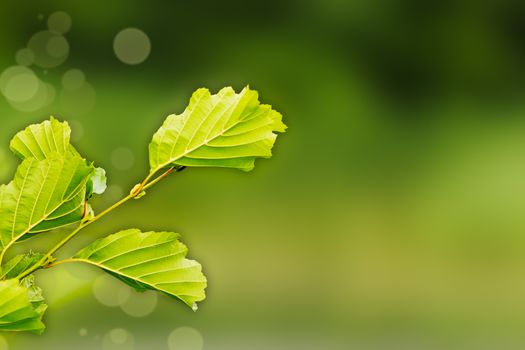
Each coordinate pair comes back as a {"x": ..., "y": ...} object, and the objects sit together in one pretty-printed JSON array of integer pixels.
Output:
[
  {"x": 140, "y": 195},
  {"x": 136, "y": 190}
]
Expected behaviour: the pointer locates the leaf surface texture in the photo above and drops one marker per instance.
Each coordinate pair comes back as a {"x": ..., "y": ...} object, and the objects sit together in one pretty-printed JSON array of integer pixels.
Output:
[
  {"x": 149, "y": 260},
  {"x": 223, "y": 130}
]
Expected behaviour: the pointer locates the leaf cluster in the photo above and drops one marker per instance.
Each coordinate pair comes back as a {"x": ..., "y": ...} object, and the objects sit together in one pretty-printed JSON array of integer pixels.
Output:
[{"x": 54, "y": 183}]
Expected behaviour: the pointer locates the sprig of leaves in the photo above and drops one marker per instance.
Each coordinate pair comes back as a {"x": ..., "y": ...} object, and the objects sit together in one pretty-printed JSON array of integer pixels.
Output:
[{"x": 53, "y": 184}]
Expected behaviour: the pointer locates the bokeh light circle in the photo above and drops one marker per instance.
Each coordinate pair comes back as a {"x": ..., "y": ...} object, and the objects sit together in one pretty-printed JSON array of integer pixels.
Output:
[
  {"x": 19, "y": 83},
  {"x": 73, "y": 79},
  {"x": 122, "y": 158},
  {"x": 50, "y": 49},
  {"x": 43, "y": 97},
  {"x": 59, "y": 22},
  {"x": 21, "y": 87},
  {"x": 137, "y": 304},
  {"x": 185, "y": 338},
  {"x": 51, "y": 93},
  {"x": 83, "y": 332},
  {"x": 105, "y": 290},
  {"x": 25, "y": 57},
  {"x": 118, "y": 339},
  {"x": 114, "y": 193},
  {"x": 132, "y": 46},
  {"x": 79, "y": 101},
  {"x": 57, "y": 47},
  {"x": 123, "y": 294}
]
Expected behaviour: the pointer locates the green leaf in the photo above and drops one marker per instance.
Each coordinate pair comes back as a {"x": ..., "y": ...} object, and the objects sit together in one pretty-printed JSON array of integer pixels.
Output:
[
  {"x": 51, "y": 137},
  {"x": 20, "y": 263},
  {"x": 222, "y": 130},
  {"x": 40, "y": 141},
  {"x": 21, "y": 306},
  {"x": 149, "y": 260},
  {"x": 97, "y": 184},
  {"x": 45, "y": 194}
]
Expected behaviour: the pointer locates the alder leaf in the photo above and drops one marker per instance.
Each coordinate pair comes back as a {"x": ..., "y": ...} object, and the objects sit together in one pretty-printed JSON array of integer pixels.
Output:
[
  {"x": 20, "y": 263},
  {"x": 21, "y": 306},
  {"x": 149, "y": 260},
  {"x": 222, "y": 130},
  {"x": 98, "y": 183},
  {"x": 45, "y": 194},
  {"x": 40, "y": 141},
  {"x": 44, "y": 140},
  {"x": 53, "y": 183}
]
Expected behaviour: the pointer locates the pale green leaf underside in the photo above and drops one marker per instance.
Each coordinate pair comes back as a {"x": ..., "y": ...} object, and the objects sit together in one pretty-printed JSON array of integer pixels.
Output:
[
  {"x": 222, "y": 130},
  {"x": 98, "y": 183},
  {"x": 20, "y": 308},
  {"x": 149, "y": 260},
  {"x": 45, "y": 194}
]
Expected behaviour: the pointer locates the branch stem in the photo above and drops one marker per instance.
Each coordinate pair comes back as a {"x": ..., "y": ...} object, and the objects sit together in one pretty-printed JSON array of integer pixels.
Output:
[
  {"x": 146, "y": 184},
  {"x": 60, "y": 262}
]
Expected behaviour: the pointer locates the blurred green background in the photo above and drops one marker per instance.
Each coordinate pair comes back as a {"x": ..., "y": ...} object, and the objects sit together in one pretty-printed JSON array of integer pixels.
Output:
[{"x": 390, "y": 217}]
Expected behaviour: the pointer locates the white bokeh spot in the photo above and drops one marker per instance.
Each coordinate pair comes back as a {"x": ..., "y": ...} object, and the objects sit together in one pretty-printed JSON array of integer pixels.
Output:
[
  {"x": 73, "y": 79},
  {"x": 122, "y": 158},
  {"x": 49, "y": 48},
  {"x": 137, "y": 304},
  {"x": 25, "y": 57},
  {"x": 185, "y": 338},
  {"x": 132, "y": 46},
  {"x": 59, "y": 22},
  {"x": 19, "y": 83},
  {"x": 105, "y": 290},
  {"x": 118, "y": 339}
]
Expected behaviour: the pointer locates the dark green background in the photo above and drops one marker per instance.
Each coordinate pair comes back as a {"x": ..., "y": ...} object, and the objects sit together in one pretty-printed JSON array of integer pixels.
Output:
[{"x": 392, "y": 213}]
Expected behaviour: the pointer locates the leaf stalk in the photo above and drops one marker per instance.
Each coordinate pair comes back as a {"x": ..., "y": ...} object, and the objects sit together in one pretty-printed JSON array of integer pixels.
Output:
[{"x": 146, "y": 184}]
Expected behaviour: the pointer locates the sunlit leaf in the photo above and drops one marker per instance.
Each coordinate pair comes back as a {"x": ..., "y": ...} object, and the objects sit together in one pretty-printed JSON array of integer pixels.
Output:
[
  {"x": 222, "y": 130},
  {"x": 98, "y": 183},
  {"x": 40, "y": 141},
  {"x": 20, "y": 263},
  {"x": 149, "y": 260},
  {"x": 21, "y": 306},
  {"x": 53, "y": 184},
  {"x": 51, "y": 137},
  {"x": 44, "y": 195}
]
